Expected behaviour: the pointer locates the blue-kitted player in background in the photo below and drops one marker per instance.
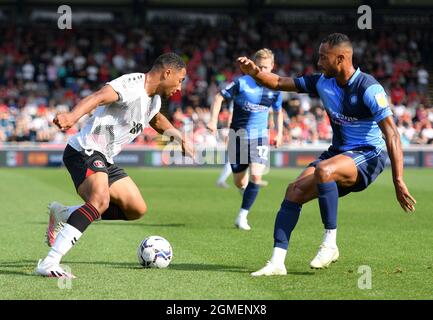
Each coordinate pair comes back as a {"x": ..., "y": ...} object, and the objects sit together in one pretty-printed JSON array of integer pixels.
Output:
[
  {"x": 359, "y": 112},
  {"x": 248, "y": 144}
]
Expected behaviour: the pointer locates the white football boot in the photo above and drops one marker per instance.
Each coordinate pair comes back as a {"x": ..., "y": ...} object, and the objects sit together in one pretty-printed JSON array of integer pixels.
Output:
[
  {"x": 270, "y": 269},
  {"x": 56, "y": 211},
  {"x": 325, "y": 257},
  {"x": 51, "y": 270},
  {"x": 242, "y": 224}
]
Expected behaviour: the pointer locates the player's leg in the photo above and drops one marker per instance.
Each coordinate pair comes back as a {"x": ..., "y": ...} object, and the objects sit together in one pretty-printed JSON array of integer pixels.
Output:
[
  {"x": 339, "y": 171},
  {"x": 250, "y": 194},
  {"x": 94, "y": 190},
  {"x": 225, "y": 173},
  {"x": 126, "y": 201},
  {"x": 302, "y": 190}
]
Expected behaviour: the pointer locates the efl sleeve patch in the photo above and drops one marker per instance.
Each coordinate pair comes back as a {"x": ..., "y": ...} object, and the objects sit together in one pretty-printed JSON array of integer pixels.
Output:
[{"x": 381, "y": 99}]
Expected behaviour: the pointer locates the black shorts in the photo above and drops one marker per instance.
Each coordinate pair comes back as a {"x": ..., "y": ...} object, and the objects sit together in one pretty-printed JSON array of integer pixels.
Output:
[{"x": 80, "y": 166}]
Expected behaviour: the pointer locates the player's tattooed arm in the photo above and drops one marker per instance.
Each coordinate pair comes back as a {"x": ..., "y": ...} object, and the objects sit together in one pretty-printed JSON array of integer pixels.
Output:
[
  {"x": 267, "y": 79},
  {"x": 161, "y": 125},
  {"x": 395, "y": 153},
  {"x": 105, "y": 95}
]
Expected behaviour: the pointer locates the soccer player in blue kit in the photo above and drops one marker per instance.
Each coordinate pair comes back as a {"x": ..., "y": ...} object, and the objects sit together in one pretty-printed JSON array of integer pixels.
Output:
[
  {"x": 359, "y": 112},
  {"x": 248, "y": 145}
]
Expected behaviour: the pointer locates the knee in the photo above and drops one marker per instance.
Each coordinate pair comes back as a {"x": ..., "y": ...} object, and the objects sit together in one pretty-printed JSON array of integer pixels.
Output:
[
  {"x": 100, "y": 200},
  {"x": 138, "y": 212},
  {"x": 294, "y": 194},
  {"x": 322, "y": 172}
]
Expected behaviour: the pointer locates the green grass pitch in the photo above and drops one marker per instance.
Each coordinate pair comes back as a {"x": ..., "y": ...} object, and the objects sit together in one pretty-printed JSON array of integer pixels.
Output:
[{"x": 212, "y": 260}]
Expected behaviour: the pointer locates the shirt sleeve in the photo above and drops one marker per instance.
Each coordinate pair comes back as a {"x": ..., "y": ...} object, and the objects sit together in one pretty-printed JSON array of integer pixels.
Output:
[
  {"x": 376, "y": 100},
  {"x": 278, "y": 102},
  {"x": 307, "y": 84},
  {"x": 231, "y": 90},
  {"x": 125, "y": 86}
]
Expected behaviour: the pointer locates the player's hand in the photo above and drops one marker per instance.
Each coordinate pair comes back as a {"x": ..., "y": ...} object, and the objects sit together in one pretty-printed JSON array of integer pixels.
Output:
[
  {"x": 64, "y": 121},
  {"x": 188, "y": 149},
  {"x": 248, "y": 66},
  {"x": 212, "y": 126},
  {"x": 278, "y": 140},
  {"x": 407, "y": 202}
]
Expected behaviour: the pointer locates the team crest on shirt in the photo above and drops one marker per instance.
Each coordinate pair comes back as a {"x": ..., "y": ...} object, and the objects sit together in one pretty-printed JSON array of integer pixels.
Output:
[
  {"x": 98, "y": 164},
  {"x": 381, "y": 99},
  {"x": 270, "y": 94},
  {"x": 353, "y": 99}
]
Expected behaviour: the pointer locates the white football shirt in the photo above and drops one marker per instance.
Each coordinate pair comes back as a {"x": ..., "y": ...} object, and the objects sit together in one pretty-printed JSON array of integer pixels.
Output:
[{"x": 114, "y": 125}]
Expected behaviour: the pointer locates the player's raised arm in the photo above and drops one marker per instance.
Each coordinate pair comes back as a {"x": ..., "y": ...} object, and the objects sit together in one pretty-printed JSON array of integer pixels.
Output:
[
  {"x": 161, "y": 125},
  {"x": 214, "y": 111},
  {"x": 267, "y": 79},
  {"x": 393, "y": 145},
  {"x": 105, "y": 95}
]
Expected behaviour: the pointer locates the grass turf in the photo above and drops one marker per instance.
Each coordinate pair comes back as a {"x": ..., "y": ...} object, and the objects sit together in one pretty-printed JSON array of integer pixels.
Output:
[{"x": 212, "y": 260}]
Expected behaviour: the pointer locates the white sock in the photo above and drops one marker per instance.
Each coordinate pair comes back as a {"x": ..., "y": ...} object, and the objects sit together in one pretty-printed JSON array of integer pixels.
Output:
[
  {"x": 243, "y": 214},
  {"x": 278, "y": 256},
  {"x": 225, "y": 173},
  {"x": 330, "y": 238},
  {"x": 67, "y": 214},
  {"x": 66, "y": 238}
]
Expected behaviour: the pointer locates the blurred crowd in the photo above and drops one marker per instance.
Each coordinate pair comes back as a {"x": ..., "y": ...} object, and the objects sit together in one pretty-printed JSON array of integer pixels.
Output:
[{"x": 43, "y": 72}]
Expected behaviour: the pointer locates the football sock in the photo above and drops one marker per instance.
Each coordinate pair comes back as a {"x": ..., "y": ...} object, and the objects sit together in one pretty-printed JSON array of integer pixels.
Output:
[
  {"x": 66, "y": 238},
  {"x": 278, "y": 256},
  {"x": 225, "y": 173},
  {"x": 243, "y": 214},
  {"x": 330, "y": 238},
  {"x": 328, "y": 203},
  {"x": 113, "y": 213},
  {"x": 250, "y": 195},
  {"x": 83, "y": 217},
  {"x": 285, "y": 222},
  {"x": 67, "y": 214}
]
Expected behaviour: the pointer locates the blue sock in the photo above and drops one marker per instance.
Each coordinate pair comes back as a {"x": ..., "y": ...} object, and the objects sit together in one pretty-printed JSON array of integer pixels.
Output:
[
  {"x": 328, "y": 202},
  {"x": 285, "y": 222},
  {"x": 250, "y": 195}
]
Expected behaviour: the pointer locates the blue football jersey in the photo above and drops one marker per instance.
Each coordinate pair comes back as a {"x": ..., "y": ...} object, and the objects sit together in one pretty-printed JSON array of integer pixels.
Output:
[
  {"x": 354, "y": 109},
  {"x": 251, "y": 103}
]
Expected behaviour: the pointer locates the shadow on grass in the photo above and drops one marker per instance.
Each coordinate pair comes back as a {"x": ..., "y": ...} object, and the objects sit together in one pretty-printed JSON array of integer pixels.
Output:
[
  {"x": 174, "y": 266},
  {"x": 15, "y": 267}
]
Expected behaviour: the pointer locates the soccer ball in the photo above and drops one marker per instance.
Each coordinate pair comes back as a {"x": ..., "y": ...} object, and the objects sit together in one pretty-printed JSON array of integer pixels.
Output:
[{"x": 154, "y": 252}]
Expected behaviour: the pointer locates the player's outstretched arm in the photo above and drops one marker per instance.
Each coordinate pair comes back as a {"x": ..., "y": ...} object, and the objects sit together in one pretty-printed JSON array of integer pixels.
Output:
[
  {"x": 267, "y": 79},
  {"x": 161, "y": 125},
  {"x": 214, "y": 111},
  {"x": 105, "y": 95},
  {"x": 395, "y": 152}
]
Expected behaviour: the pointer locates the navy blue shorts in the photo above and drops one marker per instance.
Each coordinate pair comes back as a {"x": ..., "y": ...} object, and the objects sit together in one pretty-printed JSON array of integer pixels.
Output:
[
  {"x": 244, "y": 151},
  {"x": 369, "y": 162}
]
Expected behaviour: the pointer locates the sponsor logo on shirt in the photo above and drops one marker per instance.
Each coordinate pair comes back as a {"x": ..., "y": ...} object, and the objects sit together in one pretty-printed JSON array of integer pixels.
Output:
[
  {"x": 341, "y": 119},
  {"x": 381, "y": 99},
  {"x": 253, "y": 107}
]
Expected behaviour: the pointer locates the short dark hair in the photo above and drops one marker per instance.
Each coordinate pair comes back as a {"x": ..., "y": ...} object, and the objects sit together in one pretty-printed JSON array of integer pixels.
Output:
[
  {"x": 169, "y": 60},
  {"x": 336, "y": 39}
]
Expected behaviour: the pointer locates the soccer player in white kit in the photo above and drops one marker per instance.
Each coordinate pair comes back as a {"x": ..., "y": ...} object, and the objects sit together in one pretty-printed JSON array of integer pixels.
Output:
[{"x": 122, "y": 108}]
